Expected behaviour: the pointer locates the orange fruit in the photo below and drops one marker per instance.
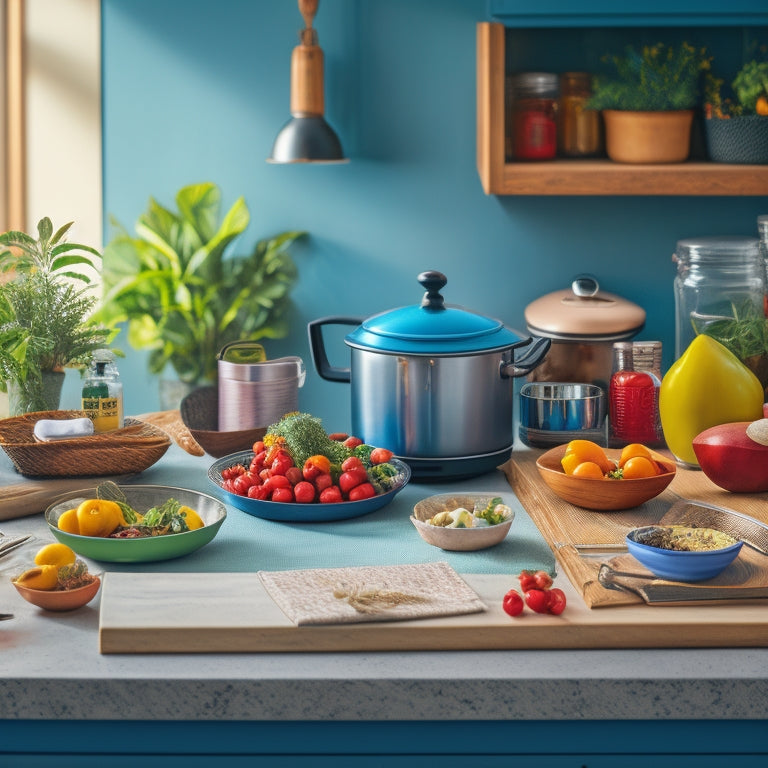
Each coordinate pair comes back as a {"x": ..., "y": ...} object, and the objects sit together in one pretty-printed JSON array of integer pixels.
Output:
[
  {"x": 632, "y": 450},
  {"x": 587, "y": 450},
  {"x": 639, "y": 466},
  {"x": 44, "y": 577},
  {"x": 588, "y": 469},
  {"x": 68, "y": 522},
  {"x": 55, "y": 554},
  {"x": 194, "y": 521}
]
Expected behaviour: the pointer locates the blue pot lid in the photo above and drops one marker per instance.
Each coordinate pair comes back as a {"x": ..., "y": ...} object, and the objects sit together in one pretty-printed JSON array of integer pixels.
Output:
[{"x": 433, "y": 327}]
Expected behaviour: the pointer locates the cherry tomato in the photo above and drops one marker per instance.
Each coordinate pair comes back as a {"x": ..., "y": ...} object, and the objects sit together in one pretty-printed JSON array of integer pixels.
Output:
[
  {"x": 639, "y": 466},
  {"x": 527, "y": 580},
  {"x": 362, "y": 491},
  {"x": 277, "y": 481},
  {"x": 352, "y": 442},
  {"x": 304, "y": 492},
  {"x": 232, "y": 472},
  {"x": 380, "y": 456},
  {"x": 294, "y": 475},
  {"x": 323, "y": 481},
  {"x": 352, "y": 462},
  {"x": 241, "y": 484},
  {"x": 543, "y": 580},
  {"x": 351, "y": 478},
  {"x": 258, "y": 446},
  {"x": 537, "y": 600},
  {"x": 339, "y": 437},
  {"x": 257, "y": 462},
  {"x": 556, "y": 601},
  {"x": 284, "y": 495},
  {"x": 512, "y": 603},
  {"x": 258, "y": 492},
  {"x": 588, "y": 469},
  {"x": 331, "y": 495},
  {"x": 280, "y": 463}
]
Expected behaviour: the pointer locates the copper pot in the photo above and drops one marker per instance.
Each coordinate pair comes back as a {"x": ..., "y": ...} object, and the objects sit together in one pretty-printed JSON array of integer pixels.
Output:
[{"x": 583, "y": 323}]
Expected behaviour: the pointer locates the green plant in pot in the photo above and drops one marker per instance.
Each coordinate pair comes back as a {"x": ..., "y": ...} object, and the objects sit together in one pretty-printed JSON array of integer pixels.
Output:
[
  {"x": 46, "y": 315},
  {"x": 182, "y": 296},
  {"x": 737, "y": 118},
  {"x": 648, "y": 102}
]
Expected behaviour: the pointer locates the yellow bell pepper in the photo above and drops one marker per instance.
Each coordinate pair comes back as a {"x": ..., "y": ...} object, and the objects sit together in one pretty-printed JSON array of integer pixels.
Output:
[{"x": 708, "y": 385}]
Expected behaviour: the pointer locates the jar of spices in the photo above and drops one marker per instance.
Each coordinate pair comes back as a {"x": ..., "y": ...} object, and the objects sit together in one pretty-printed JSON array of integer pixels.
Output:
[
  {"x": 102, "y": 393},
  {"x": 534, "y": 116},
  {"x": 720, "y": 288},
  {"x": 579, "y": 132}
]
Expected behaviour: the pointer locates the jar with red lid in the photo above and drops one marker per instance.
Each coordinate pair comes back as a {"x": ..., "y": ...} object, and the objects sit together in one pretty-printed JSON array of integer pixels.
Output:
[{"x": 534, "y": 115}]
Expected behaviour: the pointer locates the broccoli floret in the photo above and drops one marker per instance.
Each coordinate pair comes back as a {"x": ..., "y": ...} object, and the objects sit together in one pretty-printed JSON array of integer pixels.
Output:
[
  {"x": 363, "y": 452},
  {"x": 383, "y": 477},
  {"x": 304, "y": 436}
]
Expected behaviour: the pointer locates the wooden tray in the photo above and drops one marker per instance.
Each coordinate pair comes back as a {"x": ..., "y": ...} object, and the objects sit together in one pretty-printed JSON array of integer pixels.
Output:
[{"x": 231, "y": 612}]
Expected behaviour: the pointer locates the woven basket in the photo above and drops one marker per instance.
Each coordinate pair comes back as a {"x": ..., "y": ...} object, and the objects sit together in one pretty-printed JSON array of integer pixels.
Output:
[
  {"x": 200, "y": 413},
  {"x": 128, "y": 450}
]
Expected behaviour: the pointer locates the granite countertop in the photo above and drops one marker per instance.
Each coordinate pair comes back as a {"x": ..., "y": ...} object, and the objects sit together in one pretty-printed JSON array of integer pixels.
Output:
[{"x": 51, "y": 668}]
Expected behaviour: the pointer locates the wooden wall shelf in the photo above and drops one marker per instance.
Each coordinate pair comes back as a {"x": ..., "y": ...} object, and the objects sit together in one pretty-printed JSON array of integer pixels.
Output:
[{"x": 583, "y": 177}]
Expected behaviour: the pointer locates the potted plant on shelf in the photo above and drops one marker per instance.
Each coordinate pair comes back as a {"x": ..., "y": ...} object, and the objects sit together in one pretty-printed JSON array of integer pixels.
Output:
[
  {"x": 648, "y": 104},
  {"x": 183, "y": 298},
  {"x": 736, "y": 124},
  {"x": 46, "y": 321}
]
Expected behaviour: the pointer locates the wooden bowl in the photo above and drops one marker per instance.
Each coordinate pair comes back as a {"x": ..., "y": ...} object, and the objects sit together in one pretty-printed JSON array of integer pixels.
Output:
[
  {"x": 200, "y": 413},
  {"x": 60, "y": 600},
  {"x": 602, "y": 494}
]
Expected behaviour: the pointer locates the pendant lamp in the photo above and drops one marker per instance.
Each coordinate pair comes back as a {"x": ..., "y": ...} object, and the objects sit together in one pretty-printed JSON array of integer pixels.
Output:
[{"x": 307, "y": 137}]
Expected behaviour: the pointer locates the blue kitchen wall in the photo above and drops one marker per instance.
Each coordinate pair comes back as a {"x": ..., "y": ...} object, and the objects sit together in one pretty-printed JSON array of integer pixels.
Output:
[{"x": 195, "y": 90}]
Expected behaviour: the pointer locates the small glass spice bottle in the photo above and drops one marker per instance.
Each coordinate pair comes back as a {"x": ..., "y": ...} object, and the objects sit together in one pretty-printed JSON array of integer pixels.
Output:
[
  {"x": 579, "y": 129},
  {"x": 102, "y": 394},
  {"x": 534, "y": 116},
  {"x": 633, "y": 394}
]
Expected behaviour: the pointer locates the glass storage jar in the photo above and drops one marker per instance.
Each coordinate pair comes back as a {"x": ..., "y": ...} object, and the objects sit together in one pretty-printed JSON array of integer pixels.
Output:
[
  {"x": 579, "y": 131},
  {"x": 534, "y": 115},
  {"x": 719, "y": 281}
]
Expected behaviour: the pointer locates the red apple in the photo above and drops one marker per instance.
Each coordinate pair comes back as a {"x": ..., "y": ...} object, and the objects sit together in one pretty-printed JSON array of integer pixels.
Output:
[{"x": 731, "y": 459}]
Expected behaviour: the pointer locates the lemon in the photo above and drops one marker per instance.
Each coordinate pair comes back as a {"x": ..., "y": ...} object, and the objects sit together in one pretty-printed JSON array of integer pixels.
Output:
[
  {"x": 44, "y": 577},
  {"x": 68, "y": 522},
  {"x": 194, "y": 520},
  {"x": 55, "y": 554}
]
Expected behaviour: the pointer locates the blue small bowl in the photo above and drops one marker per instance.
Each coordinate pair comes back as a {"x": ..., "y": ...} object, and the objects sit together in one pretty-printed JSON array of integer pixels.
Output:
[{"x": 677, "y": 565}]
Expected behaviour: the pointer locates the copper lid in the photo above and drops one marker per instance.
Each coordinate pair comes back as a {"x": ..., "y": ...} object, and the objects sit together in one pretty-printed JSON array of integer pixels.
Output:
[{"x": 584, "y": 313}]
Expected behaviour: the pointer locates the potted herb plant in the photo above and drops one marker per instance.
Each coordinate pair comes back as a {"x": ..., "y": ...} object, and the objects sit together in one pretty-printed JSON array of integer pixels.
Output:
[
  {"x": 648, "y": 103},
  {"x": 183, "y": 297},
  {"x": 736, "y": 121},
  {"x": 46, "y": 321}
]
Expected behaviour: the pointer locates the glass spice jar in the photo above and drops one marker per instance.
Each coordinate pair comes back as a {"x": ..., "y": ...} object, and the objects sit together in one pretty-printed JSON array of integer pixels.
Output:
[
  {"x": 633, "y": 394},
  {"x": 534, "y": 116},
  {"x": 579, "y": 129}
]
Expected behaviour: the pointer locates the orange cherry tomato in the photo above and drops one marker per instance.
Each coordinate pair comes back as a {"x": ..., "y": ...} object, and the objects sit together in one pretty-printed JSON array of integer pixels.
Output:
[
  {"x": 587, "y": 450},
  {"x": 632, "y": 450},
  {"x": 588, "y": 469},
  {"x": 638, "y": 467}
]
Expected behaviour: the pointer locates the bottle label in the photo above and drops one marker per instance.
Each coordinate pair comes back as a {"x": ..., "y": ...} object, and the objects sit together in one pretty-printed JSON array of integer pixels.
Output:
[{"x": 104, "y": 412}]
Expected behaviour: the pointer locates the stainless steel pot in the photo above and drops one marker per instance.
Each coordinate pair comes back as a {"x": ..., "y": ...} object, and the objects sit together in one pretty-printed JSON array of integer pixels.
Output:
[
  {"x": 431, "y": 382},
  {"x": 583, "y": 322}
]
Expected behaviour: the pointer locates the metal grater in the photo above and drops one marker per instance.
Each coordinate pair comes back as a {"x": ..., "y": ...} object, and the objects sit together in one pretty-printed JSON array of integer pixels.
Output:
[{"x": 699, "y": 515}]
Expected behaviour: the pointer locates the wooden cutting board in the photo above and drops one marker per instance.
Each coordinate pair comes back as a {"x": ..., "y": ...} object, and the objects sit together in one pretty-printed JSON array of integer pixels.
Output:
[{"x": 231, "y": 612}]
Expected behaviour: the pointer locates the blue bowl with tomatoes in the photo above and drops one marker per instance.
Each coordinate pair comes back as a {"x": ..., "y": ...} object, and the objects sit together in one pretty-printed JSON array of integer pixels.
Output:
[{"x": 352, "y": 495}]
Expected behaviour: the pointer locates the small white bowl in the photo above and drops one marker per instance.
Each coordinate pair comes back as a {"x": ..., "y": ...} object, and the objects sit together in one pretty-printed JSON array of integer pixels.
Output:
[{"x": 457, "y": 539}]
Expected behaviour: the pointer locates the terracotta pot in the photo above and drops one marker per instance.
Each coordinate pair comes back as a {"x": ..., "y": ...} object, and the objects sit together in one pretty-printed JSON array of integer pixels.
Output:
[{"x": 648, "y": 137}]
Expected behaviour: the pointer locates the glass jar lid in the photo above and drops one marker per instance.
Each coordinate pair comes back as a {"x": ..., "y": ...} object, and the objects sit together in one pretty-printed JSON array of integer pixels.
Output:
[
  {"x": 535, "y": 84},
  {"x": 725, "y": 247}
]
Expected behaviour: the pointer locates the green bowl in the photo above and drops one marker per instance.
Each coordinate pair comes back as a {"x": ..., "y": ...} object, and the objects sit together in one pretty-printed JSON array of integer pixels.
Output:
[{"x": 141, "y": 498}]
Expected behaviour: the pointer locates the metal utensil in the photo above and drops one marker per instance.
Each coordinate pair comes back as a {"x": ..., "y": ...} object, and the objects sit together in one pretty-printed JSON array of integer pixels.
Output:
[{"x": 9, "y": 543}]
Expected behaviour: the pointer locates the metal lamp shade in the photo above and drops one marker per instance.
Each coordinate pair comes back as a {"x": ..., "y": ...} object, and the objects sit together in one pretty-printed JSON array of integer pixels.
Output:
[{"x": 307, "y": 139}]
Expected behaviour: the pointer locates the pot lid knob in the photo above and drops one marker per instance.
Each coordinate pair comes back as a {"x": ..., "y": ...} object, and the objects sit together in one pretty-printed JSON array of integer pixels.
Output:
[
  {"x": 585, "y": 286},
  {"x": 433, "y": 281}
]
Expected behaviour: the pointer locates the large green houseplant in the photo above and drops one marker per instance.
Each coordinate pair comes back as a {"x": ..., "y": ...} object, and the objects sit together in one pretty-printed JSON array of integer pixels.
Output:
[
  {"x": 46, "y": 320},
  {"x": 182, "y": 296},
  {"x": 648, "y": 102}
]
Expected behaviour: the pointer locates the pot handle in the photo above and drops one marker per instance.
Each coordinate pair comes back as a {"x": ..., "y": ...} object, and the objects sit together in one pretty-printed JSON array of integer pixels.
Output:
[
  {"x": 317, "y": 347},
  {"x": 533, "y": 355}
]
